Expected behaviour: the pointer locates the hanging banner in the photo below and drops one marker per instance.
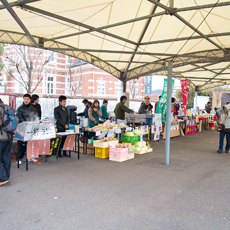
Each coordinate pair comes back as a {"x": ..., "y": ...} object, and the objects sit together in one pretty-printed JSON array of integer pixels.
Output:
[
  {"x": 185, "y": 84},
  {"x": 162, "y": 103},
  {"x": 69, "y": 142},
  {"x": 44, "y": 147},
  {"x": 32, "y": 149}
]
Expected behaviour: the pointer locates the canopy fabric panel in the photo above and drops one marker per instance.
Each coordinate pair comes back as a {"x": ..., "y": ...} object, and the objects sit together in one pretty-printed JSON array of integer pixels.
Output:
[{"x": 129, "y": 38}]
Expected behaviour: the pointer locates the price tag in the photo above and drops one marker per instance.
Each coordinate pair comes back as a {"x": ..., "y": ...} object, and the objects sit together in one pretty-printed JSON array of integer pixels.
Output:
[
  {"x": 110, "y": 135},
  {"x": 129, "y": 129},
  {"x": 101, "y": 136},
  {"x": 111, "y": 131},
  {"x": 97, "y": 133},
  {"x": 118, "y": 131},
  {"x": 112, "y": 143}
]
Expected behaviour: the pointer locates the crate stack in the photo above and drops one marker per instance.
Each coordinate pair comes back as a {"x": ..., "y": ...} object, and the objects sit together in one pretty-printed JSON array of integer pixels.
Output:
[
  {"x": 102, "y": 148},
  {"x": 121, "y": 154}
]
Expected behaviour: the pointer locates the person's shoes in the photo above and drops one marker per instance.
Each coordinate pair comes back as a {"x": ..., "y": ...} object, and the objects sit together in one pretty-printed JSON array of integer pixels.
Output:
[
  {"x": 65, "y": 155},
  {"x": 20, "y": 162},
  {"x": 60, "y": 156},
  {"x": 226, "y": 151},
  {"x": 4, "y": 182},
  {"x": 33, "y": 159},
  {"x": 219, "y": 151}
]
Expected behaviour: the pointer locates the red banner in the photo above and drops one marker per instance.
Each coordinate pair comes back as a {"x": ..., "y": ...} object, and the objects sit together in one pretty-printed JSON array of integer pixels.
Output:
[
  {"x": 12, "y": 101},
  {"x": 44, "y": 147},
  {"x": 69, "y": 142},
  {"x": 185, "y": 84},
  {"x": 32, "y": 149}
]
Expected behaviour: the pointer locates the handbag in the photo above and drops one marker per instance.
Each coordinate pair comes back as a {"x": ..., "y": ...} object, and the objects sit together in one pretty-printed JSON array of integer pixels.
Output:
[{"x": 221, "y": 128}]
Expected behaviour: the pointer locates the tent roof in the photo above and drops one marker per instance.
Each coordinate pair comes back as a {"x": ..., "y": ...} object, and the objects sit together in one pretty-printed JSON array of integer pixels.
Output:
[{"x": 129, "y": 38}]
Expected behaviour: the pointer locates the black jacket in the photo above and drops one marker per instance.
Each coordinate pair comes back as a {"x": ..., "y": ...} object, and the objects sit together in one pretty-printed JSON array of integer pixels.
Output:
[
  {"x": 26, "y": 113},
  {"x": 38, "y": 109},
  {"x": 61, "y": 114},
  {"x": 144, "y": 107},
  {"x": 85, "y": 113}
]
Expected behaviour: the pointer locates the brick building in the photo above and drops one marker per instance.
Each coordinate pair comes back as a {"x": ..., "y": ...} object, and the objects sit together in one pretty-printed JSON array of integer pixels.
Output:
[{"x": 63, "y": 75}]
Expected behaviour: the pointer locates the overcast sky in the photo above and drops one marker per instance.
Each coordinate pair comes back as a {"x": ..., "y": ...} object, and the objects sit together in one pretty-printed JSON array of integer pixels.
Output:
[{"x": 158, "y": 81}]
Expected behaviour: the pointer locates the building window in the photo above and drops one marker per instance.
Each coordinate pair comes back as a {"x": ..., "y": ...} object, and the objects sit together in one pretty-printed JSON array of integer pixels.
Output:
[
  {"x": 52, "y": 55},
  {"x": 20, "y": 85},
  {"x": 101, "y": 88},
  {"x": 118, "y": 89},
  {"x": 50, "y": 85},
  {"x": 68, "y": 59},
  {"x": 149, "y": 79},
  {"x": 148, "y": 89}
]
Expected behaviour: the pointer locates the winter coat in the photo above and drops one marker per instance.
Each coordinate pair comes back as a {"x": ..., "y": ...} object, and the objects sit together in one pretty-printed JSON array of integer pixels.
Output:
[
  {"x": 3, "y": 134},
  {"x": 143, "y": 108},
  {"x": 104, "y": 112},
  {"x": 224, "y": 117},
  {"x": 26, "y": 113},
  {"x": 38, "y": 109},
  {"x": 85, "y": 113},
  {"x": 120, "y": 111},
  {"x": 61, "y": 114}
]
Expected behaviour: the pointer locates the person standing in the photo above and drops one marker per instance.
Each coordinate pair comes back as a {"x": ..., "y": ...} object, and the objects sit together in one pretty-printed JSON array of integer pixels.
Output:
[
  {"x": 208, "y": 108},
  {"x": 156, "y": 104},
  {"x": 224, "y": 119},
  {"x": 34, "y": 103},
  {"x": 94, "y": 114},
  {"x": 61, "y": 114},
  {"x": 103, "y": 108},
  {"x": 121, "y": 109},
  {"x": 146, "y": 106},
  {"x": 87, "y": 105},
  {"x": 5, "y": 154},
  {"x": 25, "y": 112}
]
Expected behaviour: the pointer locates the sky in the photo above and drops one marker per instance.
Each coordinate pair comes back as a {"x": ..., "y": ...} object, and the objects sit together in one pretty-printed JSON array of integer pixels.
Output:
[{"x": 158, "y": 81}]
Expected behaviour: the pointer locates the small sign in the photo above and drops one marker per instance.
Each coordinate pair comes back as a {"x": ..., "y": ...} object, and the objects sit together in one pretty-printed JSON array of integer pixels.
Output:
[
  {"x": 110, "y": 135},
  {"x": 118, "y": 131},
  {"x": 128, "y": 129},
  {"x": 101, "y": 136},
  {"x": 112, "y": 143},
  {"x": 97, "y": 133},
  {"x": 32, "y": 149}
]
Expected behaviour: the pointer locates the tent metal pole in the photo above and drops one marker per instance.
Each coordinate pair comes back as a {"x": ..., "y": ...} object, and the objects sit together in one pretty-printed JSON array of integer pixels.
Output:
[{"x": 168, "y": 116}]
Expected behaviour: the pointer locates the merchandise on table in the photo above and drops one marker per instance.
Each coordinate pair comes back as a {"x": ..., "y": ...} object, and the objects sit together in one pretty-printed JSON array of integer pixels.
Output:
[
  {"x": 136, "y": 118},
  {"x": 105, "y": 143}
]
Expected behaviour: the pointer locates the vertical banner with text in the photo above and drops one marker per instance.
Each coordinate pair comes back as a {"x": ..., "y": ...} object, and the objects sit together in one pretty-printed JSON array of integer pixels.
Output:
[
  {"x": 185, "y": 84},
  {"x": 162, "y": 103},
  {"x": 44, "y": 147},
  {"x": 69, "y": 142},
  {"x": 32, "y": 149}
]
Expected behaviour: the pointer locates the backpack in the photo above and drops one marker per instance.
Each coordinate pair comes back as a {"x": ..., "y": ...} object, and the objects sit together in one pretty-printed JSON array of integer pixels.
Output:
[{"x": 10, "y": 121}]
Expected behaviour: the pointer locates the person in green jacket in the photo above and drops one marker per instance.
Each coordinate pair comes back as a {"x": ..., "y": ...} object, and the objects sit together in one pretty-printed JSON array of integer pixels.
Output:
[
  {"x": 103, "y": 108},
  {"x": 121, "y": 109},
  {"x": 94, "y": 114}
]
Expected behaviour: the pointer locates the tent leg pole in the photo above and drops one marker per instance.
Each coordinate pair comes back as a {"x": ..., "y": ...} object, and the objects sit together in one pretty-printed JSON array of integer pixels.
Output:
[
  {"x": 168, "y": 115},
  {"x": 124, "y": 86}
]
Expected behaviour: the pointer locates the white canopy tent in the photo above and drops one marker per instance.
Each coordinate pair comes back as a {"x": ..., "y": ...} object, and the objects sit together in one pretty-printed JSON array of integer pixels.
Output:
[{"x": 129, "y": 38}]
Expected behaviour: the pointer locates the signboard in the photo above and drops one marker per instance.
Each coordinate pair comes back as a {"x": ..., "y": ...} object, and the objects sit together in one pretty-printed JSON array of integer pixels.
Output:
[
  {"x": 54, "y": 146},
  {"x": 35, "y": 131},
  {"x": 32, "y": 149},
  {"x": 69, "y": 142},
  {"x": 162, "y": 103},
  {"x": 44, "y": 147},
  {"x": 185, "y": 84}
]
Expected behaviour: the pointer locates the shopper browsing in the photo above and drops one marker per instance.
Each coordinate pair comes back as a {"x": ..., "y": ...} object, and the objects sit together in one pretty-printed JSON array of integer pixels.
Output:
[
  {"x": 62, "y": 117},
  {"x": 208, "y": 108},
  {"x": 94, "y": 114},
  {"x": 146, "y": 106},
  {"x": 25, "y": 112},
  {"x": 121, "y": 109},
  {"x": 87, "y": 105}
]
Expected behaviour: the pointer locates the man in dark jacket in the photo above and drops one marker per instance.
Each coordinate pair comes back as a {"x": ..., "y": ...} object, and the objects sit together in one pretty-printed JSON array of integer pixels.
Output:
[
  {"x": 25, "y": 112},
  {"x": 87, "y": 106},
  {"x": 61, "y": 114},
  {"x": 146, "y": 106},
  {"x": 34, "y": 103},
  {"x": 5, "y": 158}
]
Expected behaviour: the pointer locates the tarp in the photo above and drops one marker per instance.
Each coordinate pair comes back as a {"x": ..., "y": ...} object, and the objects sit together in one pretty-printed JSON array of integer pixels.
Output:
[{"x": 129, "y": 38}]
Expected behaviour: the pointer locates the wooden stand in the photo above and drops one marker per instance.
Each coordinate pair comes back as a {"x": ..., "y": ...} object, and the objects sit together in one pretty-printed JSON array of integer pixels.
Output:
[{"x": 174, "y": 132}]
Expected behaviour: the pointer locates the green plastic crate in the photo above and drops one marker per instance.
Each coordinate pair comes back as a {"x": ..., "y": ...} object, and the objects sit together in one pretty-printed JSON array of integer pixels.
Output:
[{"x": 130, "y": 139}]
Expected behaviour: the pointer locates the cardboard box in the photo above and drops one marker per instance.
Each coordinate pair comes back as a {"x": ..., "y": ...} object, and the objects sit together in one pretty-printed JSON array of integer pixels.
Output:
[
  {"x": 211, "y": 128},
  {"x": 90, "y": 148}
]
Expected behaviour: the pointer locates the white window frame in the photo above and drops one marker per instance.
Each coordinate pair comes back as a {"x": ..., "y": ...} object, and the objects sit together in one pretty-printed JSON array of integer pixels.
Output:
[
  {"x": 98, "y": 88},
  {"x": 53, "y": 59},
  {"x": 50, "y": 82},
  {"x": 118, "y": 87}
]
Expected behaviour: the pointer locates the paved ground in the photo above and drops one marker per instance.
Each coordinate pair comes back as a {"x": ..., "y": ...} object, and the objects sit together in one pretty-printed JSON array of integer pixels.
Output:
[{"x": 90, "y": 193}]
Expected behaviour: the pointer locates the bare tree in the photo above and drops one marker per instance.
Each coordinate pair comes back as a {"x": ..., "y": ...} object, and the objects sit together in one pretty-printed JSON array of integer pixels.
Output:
[
  {"x": 134, "y": 89},
  {"x": 75, "y": 80},
  {"x": 28, "y": 66}
]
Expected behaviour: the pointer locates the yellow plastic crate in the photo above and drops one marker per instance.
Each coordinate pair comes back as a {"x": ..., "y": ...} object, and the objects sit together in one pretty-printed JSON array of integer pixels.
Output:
[{"x": 102, "y": 153}]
